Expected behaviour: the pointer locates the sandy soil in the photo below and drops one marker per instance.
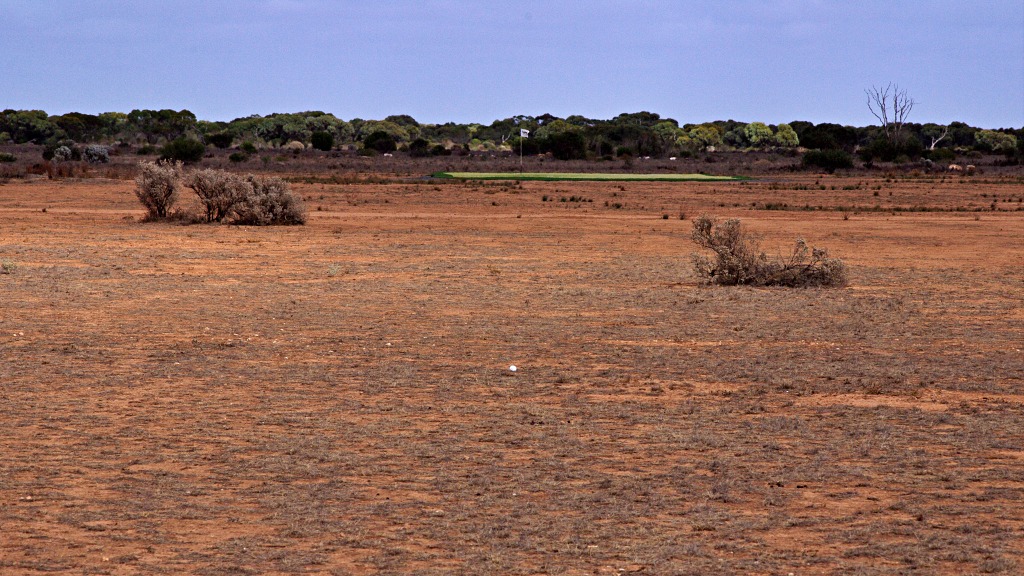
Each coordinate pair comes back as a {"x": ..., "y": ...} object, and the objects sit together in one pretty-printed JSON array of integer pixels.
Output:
[{"x": 335, "y": 398}]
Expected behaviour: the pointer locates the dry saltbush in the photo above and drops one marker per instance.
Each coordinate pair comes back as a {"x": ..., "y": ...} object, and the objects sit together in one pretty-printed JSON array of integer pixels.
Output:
[
  {"x": 739, "y": 259},
  {"x": 270, "y": 202},
  {"x": 156, "y": 186},
  {"x": 250, "y": 200},
  {"x": 219, "y": 191}
]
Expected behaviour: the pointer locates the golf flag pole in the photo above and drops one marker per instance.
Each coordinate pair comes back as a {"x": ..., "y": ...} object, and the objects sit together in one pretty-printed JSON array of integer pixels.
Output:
[{"x": 523, "y": 133}]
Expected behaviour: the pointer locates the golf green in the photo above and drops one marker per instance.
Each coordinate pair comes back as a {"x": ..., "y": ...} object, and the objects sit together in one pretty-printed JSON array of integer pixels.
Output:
[{"x": 605, "y": 177}]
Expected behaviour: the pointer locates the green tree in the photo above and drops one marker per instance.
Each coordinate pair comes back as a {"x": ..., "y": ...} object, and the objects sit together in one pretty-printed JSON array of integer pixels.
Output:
[
  {"x": 456, "y": 133},
  {"x": 667, "y": 132},
  {"x": 403, "y": 120},
  {"x": 162, "y": 124},
  {"x": 736, "y": 137},
  {"x": 27, "y": 126},
  {"x": 322, "y": 140},
  {"x": 961, "y": 134},
  {"x": 827, "y": 159},
  {"x": 701, "y": 137},
  {"x": 220, "y": 139},
  {"x": 646, "y": 119},
  {"x": 79, "y": 127},
  {"x": 185, "y": 150},
  {"x": 553, "y": 128},
  {"x": 114, "y": 124},
  {"x": 993, "y": 141},
  {"x": 826, "y": 136},
  {"x": 568, "y": 145},
  {"x": 786, "y": 137},
  {"x": 758, "y": 134},
  {"x": 369, "y": 127},
  {"x": 380, "y": 141},
  {"x": 419, "y": 148},
  {"x": 934, "y": 134}
]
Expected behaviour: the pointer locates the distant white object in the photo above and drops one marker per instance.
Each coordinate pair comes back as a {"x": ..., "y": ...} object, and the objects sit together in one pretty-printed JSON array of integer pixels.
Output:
[
  {"x": 388, "y": 154},
  {"x": 512, "y": 368},
  {"x": 672, "y": 158}
]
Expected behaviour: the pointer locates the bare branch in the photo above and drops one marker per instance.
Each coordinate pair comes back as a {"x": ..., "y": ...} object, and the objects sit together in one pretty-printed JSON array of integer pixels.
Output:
[
  {"x": 891, "y": 106},
  {"x": 935, "y": 140}
]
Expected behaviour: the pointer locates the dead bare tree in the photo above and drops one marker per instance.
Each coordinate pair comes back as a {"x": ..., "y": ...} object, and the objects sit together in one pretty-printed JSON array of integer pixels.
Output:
[
  {"x": 891, "y": 106},
  {"x": 945, "y": 132}
]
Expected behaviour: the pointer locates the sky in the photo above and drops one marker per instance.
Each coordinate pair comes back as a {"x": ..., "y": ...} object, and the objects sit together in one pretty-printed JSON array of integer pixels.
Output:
[{"x": 477, "y": 61}]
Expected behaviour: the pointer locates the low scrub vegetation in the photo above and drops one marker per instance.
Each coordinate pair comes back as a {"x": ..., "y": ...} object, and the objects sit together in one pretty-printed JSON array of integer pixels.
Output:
[
  {"x": 269, "y": 202},
  {"x": 249, "y": 200},
  {"x": 157, "y": 188},
  {"x": 830, "y": 160},
  {"x": 739, "y": 259},
  {"x": 220, "y": 139},
  {"x": 96, "y": 154},
  {"x": 322, "y": 140},
  {"x": 184, "y": 150},
  {"x": 218, "y": 190}
]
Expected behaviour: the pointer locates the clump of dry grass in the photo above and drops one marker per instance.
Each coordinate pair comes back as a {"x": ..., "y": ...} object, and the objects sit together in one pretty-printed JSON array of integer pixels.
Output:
[{"x": 739, "y": 259}]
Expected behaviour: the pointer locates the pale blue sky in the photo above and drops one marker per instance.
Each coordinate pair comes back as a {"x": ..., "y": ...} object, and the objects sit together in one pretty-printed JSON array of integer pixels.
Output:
[{"x": 463, "y": 61}]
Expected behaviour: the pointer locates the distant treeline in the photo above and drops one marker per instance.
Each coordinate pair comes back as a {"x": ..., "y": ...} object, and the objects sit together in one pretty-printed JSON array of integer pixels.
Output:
[{"x": 574, "y": 137}]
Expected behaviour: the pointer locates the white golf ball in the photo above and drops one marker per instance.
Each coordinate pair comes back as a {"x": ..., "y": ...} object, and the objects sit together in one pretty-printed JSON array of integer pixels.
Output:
[{"x": 512, "y": 368}]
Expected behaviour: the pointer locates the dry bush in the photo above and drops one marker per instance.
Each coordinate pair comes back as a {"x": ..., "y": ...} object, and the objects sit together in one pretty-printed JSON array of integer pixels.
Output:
[
  {"x": 157, "y": 187},
  {"x": 739, "y": 259},
  {"x": 218, "y": 190},
  {"x": 96, "y": 154},
  {"x": 270, "y": 202}
]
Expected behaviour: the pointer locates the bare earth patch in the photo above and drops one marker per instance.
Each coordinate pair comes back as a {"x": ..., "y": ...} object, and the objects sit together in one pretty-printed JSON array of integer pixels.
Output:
[{"x": 335, "y": 398}]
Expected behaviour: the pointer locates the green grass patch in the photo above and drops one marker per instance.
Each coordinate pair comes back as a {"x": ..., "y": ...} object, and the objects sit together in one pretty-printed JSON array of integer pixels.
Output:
[{"x": 577, "y": 176}]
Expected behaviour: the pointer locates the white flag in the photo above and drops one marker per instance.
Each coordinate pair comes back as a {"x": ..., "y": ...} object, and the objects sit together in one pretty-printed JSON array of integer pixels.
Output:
[{"x": 523, "y": 133}]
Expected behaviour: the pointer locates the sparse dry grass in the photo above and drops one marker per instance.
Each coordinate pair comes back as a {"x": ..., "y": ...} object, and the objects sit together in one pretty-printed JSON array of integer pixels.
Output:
[{"x": 335, "y": 398}]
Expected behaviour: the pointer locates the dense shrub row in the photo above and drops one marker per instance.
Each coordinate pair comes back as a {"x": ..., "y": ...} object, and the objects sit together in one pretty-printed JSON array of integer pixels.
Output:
[
  {"x": 249, "y": 200},
  {"x": 830, "y": 160},
  {"x": 629, "y": 134},
  {"x": 184, "y": 150}
]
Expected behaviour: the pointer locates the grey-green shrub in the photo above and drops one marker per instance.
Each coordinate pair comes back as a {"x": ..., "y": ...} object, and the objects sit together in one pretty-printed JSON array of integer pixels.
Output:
[
  {"x": 218, "y": 190},
  {"x": 271, "y": 202},
  {"x": 156, "y": 187},
  {"x": 96, "y": 154},
  {"x": 62, "y": 154},
  {"x": 739, "y": 260}
]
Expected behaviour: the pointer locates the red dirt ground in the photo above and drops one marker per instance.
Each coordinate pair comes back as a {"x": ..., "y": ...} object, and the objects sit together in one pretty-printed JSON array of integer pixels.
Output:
[{"x": 335, "y": 398}]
